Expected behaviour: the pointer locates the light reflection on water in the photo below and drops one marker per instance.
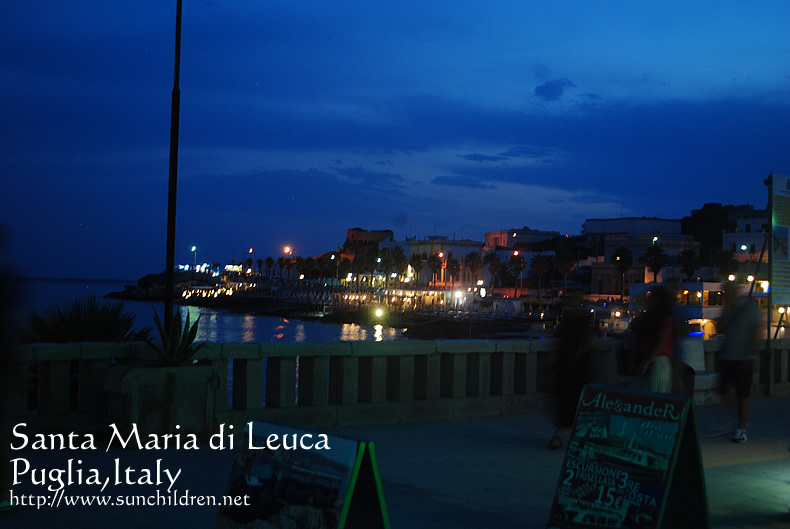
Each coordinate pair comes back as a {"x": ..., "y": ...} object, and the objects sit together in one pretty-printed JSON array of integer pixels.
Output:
[
  {"x": 223, "y": 327},
  {"x": 212, "y": 337},
  {"x": 301, "y": 335},
  {"x": 353, "y": 332},
  {"x": 248, "y": 329}
]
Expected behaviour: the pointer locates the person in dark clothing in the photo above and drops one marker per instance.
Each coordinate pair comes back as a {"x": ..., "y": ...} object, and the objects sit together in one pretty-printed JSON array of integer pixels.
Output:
[
  {"x": 654, "y": 340},
  {"x": 741, "y": 322},
  {"x": 573, "y": 369}
]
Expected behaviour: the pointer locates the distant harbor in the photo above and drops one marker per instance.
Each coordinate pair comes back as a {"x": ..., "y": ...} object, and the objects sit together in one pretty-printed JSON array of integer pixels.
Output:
[{"x": 415, "y": 313}]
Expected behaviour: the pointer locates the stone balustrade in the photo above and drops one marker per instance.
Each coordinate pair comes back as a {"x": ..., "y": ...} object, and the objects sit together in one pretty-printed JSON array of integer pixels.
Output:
[{"x": 326, "y": 384}]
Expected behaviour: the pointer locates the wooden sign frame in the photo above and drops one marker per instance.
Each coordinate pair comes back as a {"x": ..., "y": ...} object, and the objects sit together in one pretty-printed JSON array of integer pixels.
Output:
[
  {"x": 341, "y": 485},
  {"x": 633, "y": 460}
]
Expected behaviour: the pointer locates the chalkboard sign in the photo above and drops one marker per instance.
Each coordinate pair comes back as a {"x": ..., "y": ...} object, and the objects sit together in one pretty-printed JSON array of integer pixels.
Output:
[
  {"x": 292, "y": 477},
  {"x": 633, "y": 461}
]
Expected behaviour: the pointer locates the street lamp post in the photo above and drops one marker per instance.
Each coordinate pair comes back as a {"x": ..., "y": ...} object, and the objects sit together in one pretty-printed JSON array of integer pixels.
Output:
[
  {"x": 194, "y": 250},
  {"x": 289, "y": 252},
  {"x": 337, "y": 267},
  {"x": 441, "y": 256},
  {"x": 521, "y": 273},
  {"x": 748, "y": 255},
  {"x": 170, "y": 260}
]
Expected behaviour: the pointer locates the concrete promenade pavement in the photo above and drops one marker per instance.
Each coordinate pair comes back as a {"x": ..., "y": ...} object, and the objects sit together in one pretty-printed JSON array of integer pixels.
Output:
[{"x": 467, "y": 473}]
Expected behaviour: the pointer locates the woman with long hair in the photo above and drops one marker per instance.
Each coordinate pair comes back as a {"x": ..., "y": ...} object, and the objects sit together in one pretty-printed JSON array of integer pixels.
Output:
[{"x": 654, "y": 340}]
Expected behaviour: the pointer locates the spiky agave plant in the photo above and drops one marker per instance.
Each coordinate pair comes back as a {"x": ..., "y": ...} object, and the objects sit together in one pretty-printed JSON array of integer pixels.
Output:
[{"x": 177, "y": 345}]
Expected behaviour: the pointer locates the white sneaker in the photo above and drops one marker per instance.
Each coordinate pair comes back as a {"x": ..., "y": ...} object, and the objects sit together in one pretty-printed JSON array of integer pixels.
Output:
[{"x": 739, "y": 436}]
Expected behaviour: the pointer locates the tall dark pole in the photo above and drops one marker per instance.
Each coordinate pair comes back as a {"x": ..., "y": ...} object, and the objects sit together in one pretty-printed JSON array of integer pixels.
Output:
[
  {"x": 171, "y": 192},
  {"x": 770, "y": 183}
]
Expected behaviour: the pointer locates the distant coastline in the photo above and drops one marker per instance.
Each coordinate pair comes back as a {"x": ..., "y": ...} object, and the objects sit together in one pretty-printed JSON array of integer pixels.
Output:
[
  {"x": 312, "y": 301},
  {"x": 216, "y": 326}
]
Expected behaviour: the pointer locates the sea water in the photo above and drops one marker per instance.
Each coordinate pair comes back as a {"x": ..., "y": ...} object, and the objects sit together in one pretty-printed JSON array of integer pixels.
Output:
[{"x": 215, "y": 326}]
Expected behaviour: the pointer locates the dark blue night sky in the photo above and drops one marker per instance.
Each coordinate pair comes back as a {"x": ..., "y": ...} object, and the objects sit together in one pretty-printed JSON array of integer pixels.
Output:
[{"x": 300, "y": 120}]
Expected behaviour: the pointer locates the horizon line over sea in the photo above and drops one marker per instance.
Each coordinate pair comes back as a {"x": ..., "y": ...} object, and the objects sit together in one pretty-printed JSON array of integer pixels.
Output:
[{"x": 216, "y": 326}]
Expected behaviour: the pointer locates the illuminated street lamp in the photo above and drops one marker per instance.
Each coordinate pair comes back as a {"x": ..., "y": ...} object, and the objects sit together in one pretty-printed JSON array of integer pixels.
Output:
[
  {"x": 289, "y": 252},
  {"x": 194, "y": 250},
  {"x": 337, "y": 266}
]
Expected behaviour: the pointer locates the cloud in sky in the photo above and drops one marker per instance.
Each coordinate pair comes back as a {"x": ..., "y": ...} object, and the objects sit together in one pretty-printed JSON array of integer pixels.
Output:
[
  {"x": 462, "y": 181},
  {"x": 360, "y": 176},
  {"x": 553, "y": 90},
  {"x": 477, "y": 157},
  {"x": 299, "y": 121}
]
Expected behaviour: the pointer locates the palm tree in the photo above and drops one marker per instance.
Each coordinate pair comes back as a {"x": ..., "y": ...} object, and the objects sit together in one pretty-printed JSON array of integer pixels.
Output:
[
  {"x": 308, "y": 265},
  {"x": 472, "y": 262},
  {"x": 335, "y": 259},
  {"x": 259, "y": 263},
  {"x": 656, "y": 258},
  {"x": 269, "y": 265},
  {"x": 435, "y": 263},
  {"x": 493, "y": 262},
  {"x": 417, "y": 263},
  {"x": 725, "y": 262},
  {"x": 539, "y": 265},
  {"x": 386, "y": 264},
  {"x": 453, "y": 267},
  {"x": 282, "y": 262},
  {"x": 360, "y": 264},
  {"x": 344, "y": 267},
  {"x": 565, "y": 260},
  {"x": 399, "y": 261},
  {"x": 622, "y": 261},
  {"x": 324, "y": 263},
  {"x": 517, "y": 265},
  {"x": 689, "y": 262}
]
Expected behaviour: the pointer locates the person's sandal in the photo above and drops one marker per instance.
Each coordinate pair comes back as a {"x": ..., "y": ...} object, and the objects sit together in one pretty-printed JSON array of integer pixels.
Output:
[{"x": 555, "y": 442}]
